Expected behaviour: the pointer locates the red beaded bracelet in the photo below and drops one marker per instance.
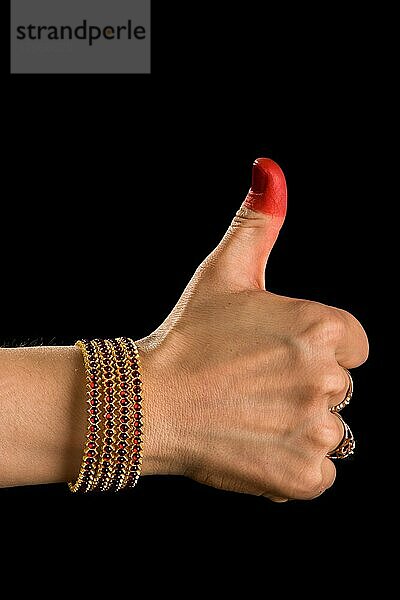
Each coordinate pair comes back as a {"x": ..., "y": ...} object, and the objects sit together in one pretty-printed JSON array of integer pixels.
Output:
[{"x": 112, "y": 454}]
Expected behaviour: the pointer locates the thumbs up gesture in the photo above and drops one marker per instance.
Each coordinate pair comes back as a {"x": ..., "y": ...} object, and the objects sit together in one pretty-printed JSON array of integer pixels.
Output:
[{"x": 239, "y": 382}]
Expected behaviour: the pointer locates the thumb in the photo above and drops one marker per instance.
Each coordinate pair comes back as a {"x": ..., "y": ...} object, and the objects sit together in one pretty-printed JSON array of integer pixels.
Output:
[{"x": 243, "y": 253}]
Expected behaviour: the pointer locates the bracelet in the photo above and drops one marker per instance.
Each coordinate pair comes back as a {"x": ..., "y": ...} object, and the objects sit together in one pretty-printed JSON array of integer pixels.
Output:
[
  {"x": 104, "y": 475},
  {"x": 112, "y": 454}
]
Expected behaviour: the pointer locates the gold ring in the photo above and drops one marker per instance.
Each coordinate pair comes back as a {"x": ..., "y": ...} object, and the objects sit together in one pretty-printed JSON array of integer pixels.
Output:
[
  {"x": 347, "y": 398},
  {"x": 346, "y": 446}
]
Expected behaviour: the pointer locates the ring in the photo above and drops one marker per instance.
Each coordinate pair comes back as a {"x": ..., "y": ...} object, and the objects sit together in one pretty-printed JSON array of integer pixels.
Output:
[
  {"x": 346, "y": 446},
  {"x": 347, "y": 398}
]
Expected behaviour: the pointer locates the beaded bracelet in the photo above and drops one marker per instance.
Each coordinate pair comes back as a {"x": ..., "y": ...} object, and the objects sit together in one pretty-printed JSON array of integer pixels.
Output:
[
  {"x": 135, "y": 385},
  {"x": 104, "y": 476},
  {"x": 112, "y": 454}
]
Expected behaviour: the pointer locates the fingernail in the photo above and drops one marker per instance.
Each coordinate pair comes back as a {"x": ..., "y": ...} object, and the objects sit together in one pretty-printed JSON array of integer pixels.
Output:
[
  {"x": 259, "y": 179},
  {"x": 268, "y": 193}
]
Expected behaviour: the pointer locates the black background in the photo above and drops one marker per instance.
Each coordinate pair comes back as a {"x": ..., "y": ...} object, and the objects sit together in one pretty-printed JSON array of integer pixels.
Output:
[{"x": 171, "y": 154}]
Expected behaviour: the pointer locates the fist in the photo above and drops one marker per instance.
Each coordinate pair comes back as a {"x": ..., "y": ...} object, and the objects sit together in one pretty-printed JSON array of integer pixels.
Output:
[{"x": 239, "y": 381}]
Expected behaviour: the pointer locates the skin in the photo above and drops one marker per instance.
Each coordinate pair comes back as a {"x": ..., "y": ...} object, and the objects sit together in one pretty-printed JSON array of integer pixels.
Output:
[{"x": 237, "y": 380}]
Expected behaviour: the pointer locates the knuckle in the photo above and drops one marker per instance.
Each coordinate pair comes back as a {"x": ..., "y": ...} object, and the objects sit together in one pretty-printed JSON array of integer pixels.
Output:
[
  {"x": 325, "y": 435},
  {"x": 346, "y": 316},
  {"x": 337, "y": 383},
  {"x": 323, "y": 384},
  {"x": 329, "y": 328},
  {"x": 310, "y": 484},
  {"x": 330, "y": 383},
  {"x": 311, "y": 312},
  {"x": 360, "y": 338},
  {"x": 330, "y": 475},
  {"x": 319, "y": 325},
  {"x": 305, "y": 309}
]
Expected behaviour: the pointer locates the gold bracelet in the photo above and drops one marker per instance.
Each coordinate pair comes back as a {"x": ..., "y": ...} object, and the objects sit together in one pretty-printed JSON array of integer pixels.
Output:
[
  {"x": 87, "y": 471},
  {"x": 105, "y": 468},
  {"x": 112, "y": 455},
  {"x": 137, "y": 429},
  {"x": 124, "y": 415}
]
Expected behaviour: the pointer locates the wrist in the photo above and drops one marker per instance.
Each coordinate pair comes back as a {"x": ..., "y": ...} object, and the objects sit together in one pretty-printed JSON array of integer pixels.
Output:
[{"x": 163, "y": 443}]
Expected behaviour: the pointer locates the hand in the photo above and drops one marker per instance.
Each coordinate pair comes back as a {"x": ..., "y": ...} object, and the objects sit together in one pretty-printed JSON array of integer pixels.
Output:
[{"x": 238, "y": 381}]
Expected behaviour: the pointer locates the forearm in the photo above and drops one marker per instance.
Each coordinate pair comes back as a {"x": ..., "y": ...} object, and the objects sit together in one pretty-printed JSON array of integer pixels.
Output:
[{"x": 43, "y": 420}]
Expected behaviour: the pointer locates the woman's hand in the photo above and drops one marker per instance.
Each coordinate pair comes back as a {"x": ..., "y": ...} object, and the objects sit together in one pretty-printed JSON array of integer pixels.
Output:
[{"x": 238, "y": 381}]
